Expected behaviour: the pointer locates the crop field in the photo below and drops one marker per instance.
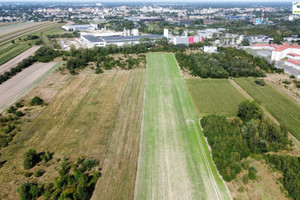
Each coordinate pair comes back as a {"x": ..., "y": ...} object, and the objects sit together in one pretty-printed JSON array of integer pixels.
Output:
[
  {"x": 14, "y": 61},
  {"x": 13, "y": 52},
  {"x": 12, "y": 89},
  {"x": 282, "y": 108},
  {"x": 174, "y": 160},
  {"x": 97, "y": 116},
  {"x": 214, "y": 96}
]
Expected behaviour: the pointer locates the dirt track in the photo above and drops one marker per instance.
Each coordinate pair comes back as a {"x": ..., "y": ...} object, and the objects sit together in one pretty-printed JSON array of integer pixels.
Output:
[
  {"x": 13, "y": 62},
  {"x": 14, "y": 87}
]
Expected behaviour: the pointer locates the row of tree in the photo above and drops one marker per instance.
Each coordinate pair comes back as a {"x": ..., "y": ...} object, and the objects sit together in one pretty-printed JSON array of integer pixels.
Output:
[{"x": 248, "y": 133}]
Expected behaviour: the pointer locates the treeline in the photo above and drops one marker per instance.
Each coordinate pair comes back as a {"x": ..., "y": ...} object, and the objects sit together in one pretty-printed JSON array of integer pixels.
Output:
[
  {"x": 290, "y": 168},
  {"x": 13, "y": 71},
  {"x": 79, "y": 58},
  {"x": 229, "y": 62},
  {"x": 249, "y": 133},
  {"x": 43, "y": 54},
  {"x": 65, "y": 35}
]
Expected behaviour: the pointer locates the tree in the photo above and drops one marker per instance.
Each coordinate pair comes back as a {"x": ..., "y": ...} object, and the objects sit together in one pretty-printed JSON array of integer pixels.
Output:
[
  {"x": 36, "y": 101},
  {"x": 277, "y": 39},
  {"x": 30, "y": 158},
  {"x": 245, "y": 42},
  {"x": 249, "y": 110}
]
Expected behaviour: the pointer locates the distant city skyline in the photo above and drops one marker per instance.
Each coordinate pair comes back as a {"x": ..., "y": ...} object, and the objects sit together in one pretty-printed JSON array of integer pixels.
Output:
[{"x": 140, "y": 1}]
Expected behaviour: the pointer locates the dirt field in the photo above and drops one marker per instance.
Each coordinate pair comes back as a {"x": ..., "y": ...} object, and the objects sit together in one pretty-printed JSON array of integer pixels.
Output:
[
  {"x": 15, "y": 87},
  {"x": 13, "y": 62},
  {"x": 174, "y": 161}
]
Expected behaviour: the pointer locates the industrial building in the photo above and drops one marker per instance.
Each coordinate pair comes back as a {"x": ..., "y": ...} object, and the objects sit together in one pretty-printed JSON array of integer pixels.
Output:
[
  {"x": 93, "y": 40},
  {"x": 282, "y": 51},
  {"x": 80, "y": 27},
  {"x": 185, "y": 40},
  {"x": 293, "y": 63}
]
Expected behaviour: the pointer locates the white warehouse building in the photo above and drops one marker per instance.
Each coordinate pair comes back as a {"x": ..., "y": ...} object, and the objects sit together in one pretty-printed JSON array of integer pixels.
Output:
[{"x": 282, "y": 51}]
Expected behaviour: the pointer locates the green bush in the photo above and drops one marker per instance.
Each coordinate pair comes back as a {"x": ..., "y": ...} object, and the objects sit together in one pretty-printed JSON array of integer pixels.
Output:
[
  {"x": 19, "y": 114},
  {"x": 89, "y": 164},
  {"x": 39, "y": 173},
  {"x": 36, "y": 101},
  {"x": 29, "y": 191},
  {"x": 11, "y": 109},
  {"x": 30, "y": 159},
  {"x": 46, "y": 156},
  {"x": 249, "y": 110},
  {"x": 252, "y": 173},
  {"x": 27, "y": 174},
  {"x": 260, "y": 82}
]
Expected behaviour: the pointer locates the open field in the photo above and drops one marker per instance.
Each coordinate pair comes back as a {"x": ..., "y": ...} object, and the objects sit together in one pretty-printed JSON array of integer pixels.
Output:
[
  {"x": 282, "y": 108},
  {"x": 13, "y": 27},
  {"x": 119, "y": 166},
  {"x": 174, "y": 160},
  {"x": 214, "y": 96},
  {"x": 13, "y": 62},
  {"x": 32, "y": 30},
  {"x": 97, "y": 116},
  {"x": 6, "y": 56},
  {"x": 15, "y": 87}
]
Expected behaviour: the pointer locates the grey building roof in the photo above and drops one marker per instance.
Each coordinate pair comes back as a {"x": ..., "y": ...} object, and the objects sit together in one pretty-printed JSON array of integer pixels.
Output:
[
  {"x": 117, "y": 39},
  {"x": 92, "y": 38}
]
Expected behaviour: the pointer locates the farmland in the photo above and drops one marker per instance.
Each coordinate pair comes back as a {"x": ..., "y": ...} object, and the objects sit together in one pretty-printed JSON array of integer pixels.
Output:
[
  {"x": 15, "y": 87},
  {"x": 97, "y": 116},
  {"x": 214, "y": 96},
  {"x": 282, "y": 108},
  {"x": 174, "y": 161},
  {"x": 13, "y": 62}
]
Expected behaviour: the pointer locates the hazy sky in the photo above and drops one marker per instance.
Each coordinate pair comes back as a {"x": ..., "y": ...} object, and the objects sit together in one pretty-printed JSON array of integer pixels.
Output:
[{"x": 160, "y": 1}]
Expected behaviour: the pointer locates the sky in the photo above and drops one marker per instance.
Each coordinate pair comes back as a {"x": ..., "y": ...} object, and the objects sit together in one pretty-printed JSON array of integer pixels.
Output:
[{"x": 160, "y": 1}]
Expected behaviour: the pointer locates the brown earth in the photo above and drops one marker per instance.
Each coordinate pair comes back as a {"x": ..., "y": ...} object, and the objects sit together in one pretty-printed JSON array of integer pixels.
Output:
[{"x": 14, "y": 62}]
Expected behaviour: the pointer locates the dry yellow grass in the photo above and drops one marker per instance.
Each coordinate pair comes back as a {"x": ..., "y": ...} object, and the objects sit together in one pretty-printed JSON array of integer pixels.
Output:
[{"x": 84, "y": 118}]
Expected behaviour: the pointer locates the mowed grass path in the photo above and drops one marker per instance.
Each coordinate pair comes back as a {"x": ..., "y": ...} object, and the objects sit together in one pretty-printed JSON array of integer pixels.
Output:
[
  {"x": 282, "y": 108},
  {"x": 214, "y": 96},
  {"x": 174, "y": 161}
]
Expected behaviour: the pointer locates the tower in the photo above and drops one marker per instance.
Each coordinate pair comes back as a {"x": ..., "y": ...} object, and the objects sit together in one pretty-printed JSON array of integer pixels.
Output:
[{"x": 262, "y": 14}]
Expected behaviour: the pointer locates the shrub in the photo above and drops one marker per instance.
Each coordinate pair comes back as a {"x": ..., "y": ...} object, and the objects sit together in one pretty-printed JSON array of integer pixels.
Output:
[
  {"x": 245, "y": 179},
  {"x": 286, "y": 82},
  {"x": 260, "y": 82},
  {"x": 98, "y": 70},
  {"x": 249, "y": 110},
  {"x": 36, "y": 101},
  {"x": 11, "y": 109},
  {"x": 27, "y": 174},
  {"x": 89, "y": 164},
  {"x": 252, "y": 173},
  {"x": 39, "y": 173},
  {"x": 19, "y": 113},
  {"x": 30, "y": 159},
  {"x": 29, "y": 191},
  {"x": 19, "y": 105},
  {"x": 46, "y": 156}
]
